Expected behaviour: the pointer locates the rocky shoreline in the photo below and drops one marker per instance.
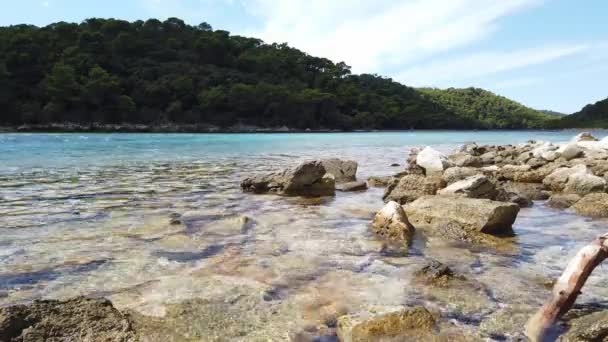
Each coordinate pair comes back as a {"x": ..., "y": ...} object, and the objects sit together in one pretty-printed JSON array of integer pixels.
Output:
[{"x": 472, "y": 196}]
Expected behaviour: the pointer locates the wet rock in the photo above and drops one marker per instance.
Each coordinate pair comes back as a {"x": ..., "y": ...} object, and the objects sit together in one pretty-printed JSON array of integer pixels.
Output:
[
  {"x": 343, "y": 170},
  {"x": 592, "y": 327},
  {"x": 478, "y": 186},
  {"x": 556, "y": 180},
  {"x": 584, "y": 136},
  {"x": 455, "y": 174},
  {"x": 583, "y": 183},
  {"x": 469, "y": 214},
  {"x": 229, "y": 226},
  {"x": 410, "y": 187},
  {"x": 379, "y": 181},
  {"x": 436, "y": 274},
  {"x": 594, "y": 205},
  {"x": 352, "y": 186},
  {"x": 391, "y": 223},
  {"x": 513, "y": 197},
  {"x": 306, "y": 179},
  {"x": 432, "y": 161},
  {"x": 464, "y": 160},
  {"x": 562, "y": 201},
  {"x": 78, "y": 319},
  {"x": 409, "y": 324}
]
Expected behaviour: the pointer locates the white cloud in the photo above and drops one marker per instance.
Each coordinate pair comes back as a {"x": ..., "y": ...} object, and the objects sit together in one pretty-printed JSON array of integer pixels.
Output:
[
  {"x": 372, "y": 36},
  {"x": 46, "y": 4},
  {"x": 477, "y": 65}
]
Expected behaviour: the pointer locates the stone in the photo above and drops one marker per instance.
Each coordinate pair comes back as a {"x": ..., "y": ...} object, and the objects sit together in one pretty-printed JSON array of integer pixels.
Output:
[
  {"x": 464, "y": 159},
  {"x": 556, "y": 180},
  {"x": 400, "y": 324},
  {"x": 478, "y": 186},
  {"x": 533, "y": 191},
  {"x": 550, "y": 155},
  {"x": 78, "y": 319},
  {"x": 538, "y": 151},
  {"x": 469, "y": 214},
  {"x": 307, "y": 179},
  {"x": 510, "y": 172},
  {"x": 432, "y": 161},
  {"x": 352, "y": 186},
  {"x": 571, "y": 151},
  {"x": 584, "y": 136},
  {"x": 591, "y": 327},
  {"x": 391, "y": 223},
  {"x": 455, "y": 174},
  {"x": 562, "y": 201},
  {"x": 379, "y": 181},
  {"x": 344, "y": 171},
  {"x": 434, "y": 273},
  {"x": 536, "y": 162},
  {"x": 488, "y": 158},
  {"x": 410, "y": 187},
  {"x": 594, "y": 205},
  {"x": 583, "y": 183},
  {"x": 513, "y": 197}
]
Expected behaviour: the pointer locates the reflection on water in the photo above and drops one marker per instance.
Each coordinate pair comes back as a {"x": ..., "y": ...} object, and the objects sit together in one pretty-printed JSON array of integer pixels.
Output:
[{"x": 177, "y": 240}]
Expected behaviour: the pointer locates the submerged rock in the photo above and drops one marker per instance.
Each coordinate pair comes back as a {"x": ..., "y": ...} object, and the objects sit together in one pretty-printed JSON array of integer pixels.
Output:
[
  {"x": 469, "y": 214},
  {"x": 391, "y": 223},
  {"x": 432, "y": 161},
  {"x": 352, "y": 186},
  {"x": 436, "y": 274},
  {"x": 306, "y": 179},
  {"x": 478, "y": 186},
  {"x": 594, "y": 205},
  {"x": 405, "y": 324},
  {"x": 78, "y": 319},
  {"x": 592, "y": 327},
  {"x": 344, "y": 171},
  {"x": 411, "y": 187}
]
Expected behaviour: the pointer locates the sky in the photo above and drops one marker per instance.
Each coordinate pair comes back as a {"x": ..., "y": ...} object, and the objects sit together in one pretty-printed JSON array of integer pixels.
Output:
[{"x": 546, "y": 54}]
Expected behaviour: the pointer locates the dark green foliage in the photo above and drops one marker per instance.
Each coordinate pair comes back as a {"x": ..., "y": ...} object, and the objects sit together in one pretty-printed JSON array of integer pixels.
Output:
[
  {"x": 591, "y": 116},
  {"x": 487, "y": 109},
  {"x": 113, "y": 71}
]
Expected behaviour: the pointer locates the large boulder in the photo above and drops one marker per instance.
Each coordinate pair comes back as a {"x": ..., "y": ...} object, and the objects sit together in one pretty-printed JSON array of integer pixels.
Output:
[
  {"x": 571, "y": 151},
  {"x": 556, "y": 180},
  {"x": 562, "y": 201},
  {"x": 455, "y": 174},
  {"x": 306, "y": 179},
  {"x": 391, "y": 223},
  {"x": 344, "y": 171},
  {"x": 583, "y": 183},
  {"x": 533, "y": 191},
  {"x": 410, "y": 187},
  {"x": 432, "y": 161},
  {"x": 78, "y": 319},
  {"x": 469, "y": 214},
  {"x": 594, "y": 205},
  {"x": 387, "y": 324},
  {"x": 478, "y": 186}
]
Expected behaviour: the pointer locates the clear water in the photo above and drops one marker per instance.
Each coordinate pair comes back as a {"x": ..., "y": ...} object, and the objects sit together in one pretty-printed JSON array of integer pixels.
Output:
[{"x": 91, "y": 214}]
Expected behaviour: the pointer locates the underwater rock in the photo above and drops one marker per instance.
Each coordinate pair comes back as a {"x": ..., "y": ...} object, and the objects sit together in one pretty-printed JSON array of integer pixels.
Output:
[
  {"x": 78, "y": 319},
  {"x": 436, "y": 274},
  {"x": 411, "y": 324},
  {"x": 592, "y": 327}
]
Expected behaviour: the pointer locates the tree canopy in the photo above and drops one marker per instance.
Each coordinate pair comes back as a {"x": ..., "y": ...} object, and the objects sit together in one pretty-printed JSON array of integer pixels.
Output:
[{"x": 150, "y": 72}]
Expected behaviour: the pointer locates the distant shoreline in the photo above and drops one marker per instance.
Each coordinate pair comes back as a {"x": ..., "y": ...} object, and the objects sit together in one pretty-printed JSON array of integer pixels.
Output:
[{"x": 193, "y": 128}]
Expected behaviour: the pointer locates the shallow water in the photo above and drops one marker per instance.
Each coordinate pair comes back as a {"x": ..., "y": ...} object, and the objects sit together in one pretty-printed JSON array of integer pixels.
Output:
[{"x": 156, "y": 223}]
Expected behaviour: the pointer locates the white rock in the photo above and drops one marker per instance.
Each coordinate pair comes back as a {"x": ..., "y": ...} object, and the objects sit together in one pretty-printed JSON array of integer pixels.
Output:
[
  {"x": 550, "y": 155},
  {"x": 391, "y": 222},
  {"x": 571, "y": 151},
  {"x": 478, "y": 186},
  {"x": 432, "y": 160},
  {"x": 540, "y": 150}
]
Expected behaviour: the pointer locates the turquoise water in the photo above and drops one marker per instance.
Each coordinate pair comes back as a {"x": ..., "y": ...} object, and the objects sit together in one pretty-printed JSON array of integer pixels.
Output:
[{"x": 92, "y": 214}]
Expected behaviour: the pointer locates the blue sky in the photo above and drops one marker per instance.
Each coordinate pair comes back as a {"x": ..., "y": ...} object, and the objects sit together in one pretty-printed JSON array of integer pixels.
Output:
[{"x": 547, "y": 54}]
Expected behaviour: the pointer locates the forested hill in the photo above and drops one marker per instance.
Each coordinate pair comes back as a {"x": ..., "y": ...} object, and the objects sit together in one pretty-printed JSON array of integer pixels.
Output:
[
  {"x": 153, "y": 72},
  {"x": 591, "y": 116},
  {"x": 487, "y": 108}
]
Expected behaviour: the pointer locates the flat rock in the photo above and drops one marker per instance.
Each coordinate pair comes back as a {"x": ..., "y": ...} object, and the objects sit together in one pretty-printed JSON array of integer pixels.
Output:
[
  {"x": 352, "y": 186},
  {"x": 410, "y": 187},
  {"x": 469, "y": 214},
  {"x": 392, "y": 223},
  {"x": 594, "y": 205}
]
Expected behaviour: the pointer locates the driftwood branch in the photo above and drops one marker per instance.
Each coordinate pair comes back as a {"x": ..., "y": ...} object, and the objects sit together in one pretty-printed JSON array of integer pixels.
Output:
[{"x": 566, "y": 290}]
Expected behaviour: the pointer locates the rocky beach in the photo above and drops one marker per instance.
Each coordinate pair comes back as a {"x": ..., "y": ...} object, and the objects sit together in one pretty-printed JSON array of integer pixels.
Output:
[{"x": 432, "y": 243}]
